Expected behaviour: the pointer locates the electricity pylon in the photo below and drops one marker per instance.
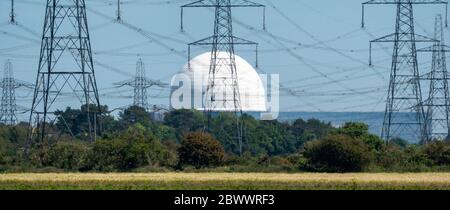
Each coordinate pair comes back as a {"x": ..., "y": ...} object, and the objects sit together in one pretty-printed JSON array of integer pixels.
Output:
[
  {"x": 222, "y": 91},
  {"x": 9, "y": 109},
  {"x": 437, "y": 104},
  {"x": 66, "y": 70},
  {"x": 140, "y": 83},
  {"x": 404, "y": 114}
]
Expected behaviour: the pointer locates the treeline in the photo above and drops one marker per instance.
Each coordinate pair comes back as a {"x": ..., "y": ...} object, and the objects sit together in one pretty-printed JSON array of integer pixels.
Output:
[{"x": 135, "y": 142}]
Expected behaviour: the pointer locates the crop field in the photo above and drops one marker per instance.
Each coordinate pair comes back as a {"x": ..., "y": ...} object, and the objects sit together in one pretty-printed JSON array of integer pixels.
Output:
[{"x": 224, "y": 181}]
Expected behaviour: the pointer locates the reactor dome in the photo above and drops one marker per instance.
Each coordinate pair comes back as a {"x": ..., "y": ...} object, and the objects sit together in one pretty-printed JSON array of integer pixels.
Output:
[{"x": 251, "y": 87}]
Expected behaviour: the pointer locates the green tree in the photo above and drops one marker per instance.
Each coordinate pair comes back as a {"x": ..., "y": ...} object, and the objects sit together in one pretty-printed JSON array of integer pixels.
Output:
[
  {"x": 74, "y": 122},
  {"x": 16, "y": 134},
  {"x": 223, "y": 128},
  {"x": 337, "y": 153},
  {"x": 263, "y": 137},
  {"x": 133, "y": 115},
  {"x": 280, "y": 137},
  {"x": 138, "y": 115},
  {"x": 201, "y": 150},
  {"x": 311, "y": 129},
  {"x": 132, "y": 149},
  {"x": 109, "y": 126},
  {"x": 360, "y": 131},
  {"x": 184, "y": 121}
]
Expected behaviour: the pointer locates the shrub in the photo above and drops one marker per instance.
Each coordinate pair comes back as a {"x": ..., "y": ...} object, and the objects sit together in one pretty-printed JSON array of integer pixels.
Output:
[
  {"x": 337, "y": 153},
  {"x": 201, "y": 150},
  {"x": 6, "y": 152},
  {"x": 297, "y": 159},
  {"x": 134, "y": 115},
  {"x": 132, "y": 149},
  {"x": 399, "y": 142},
  {"x": 438, "y": 152},
  {"x": 408, "y": 159},
  {"x": 69, "y": 155},
  {"x": 361, "y": 132},
  {"x": 390, "y": 157},
  {"x": 184, "y": 121},
  {"x": 245, "y": 159},
  {"x": 66, "y": 155},
  {"x": 310, "y": 129},
  {"x": 38, "y": 155},
  {"x": 415, "y": 160}
]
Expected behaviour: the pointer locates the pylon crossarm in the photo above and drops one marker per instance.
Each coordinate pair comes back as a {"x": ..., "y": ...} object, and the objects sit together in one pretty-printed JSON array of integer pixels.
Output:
[
  {"x": 391, "y": 38},
  {"x": 210, "y": 41},
  {"x": 442, "y": 48},
  {"x": 400, "y": 1},
  {"x": 146, "y": 83},
  {"x": 212, "y": 3},
  {"x": 129, "y": 82},
  {"x": 20, "y": 83},
  {"x": 422, "y": 38},
  {"x": 158, "y": 83},
  {"x": 417, "y": 38},
  {"x": 395, "y": 2},
  {"x": 205, "y": 41},
  {"x": 240, "y": 41}
]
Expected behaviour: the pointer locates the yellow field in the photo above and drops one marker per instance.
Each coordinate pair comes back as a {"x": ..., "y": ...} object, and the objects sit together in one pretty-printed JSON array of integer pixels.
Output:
[{"x": 225, "y": 181}]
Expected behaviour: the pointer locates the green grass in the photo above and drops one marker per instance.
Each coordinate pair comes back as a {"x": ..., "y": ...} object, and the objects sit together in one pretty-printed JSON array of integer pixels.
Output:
[{"x": 225, "y": 181}]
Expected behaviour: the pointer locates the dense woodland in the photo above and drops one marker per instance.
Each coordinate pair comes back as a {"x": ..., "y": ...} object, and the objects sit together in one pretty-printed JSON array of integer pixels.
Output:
[{"x": 133, "y": 141}]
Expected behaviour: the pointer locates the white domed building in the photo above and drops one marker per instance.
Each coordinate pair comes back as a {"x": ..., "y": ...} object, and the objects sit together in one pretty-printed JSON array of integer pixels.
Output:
[{"x": 251, "y": 87}]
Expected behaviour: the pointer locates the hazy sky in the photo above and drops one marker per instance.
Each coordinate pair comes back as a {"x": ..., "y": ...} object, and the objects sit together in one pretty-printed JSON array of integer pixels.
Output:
[{"x": 318, "y": 47}]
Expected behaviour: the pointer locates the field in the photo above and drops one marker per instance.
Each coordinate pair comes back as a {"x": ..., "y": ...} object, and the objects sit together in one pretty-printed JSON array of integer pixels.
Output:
[{"x": 225, "y": 181}]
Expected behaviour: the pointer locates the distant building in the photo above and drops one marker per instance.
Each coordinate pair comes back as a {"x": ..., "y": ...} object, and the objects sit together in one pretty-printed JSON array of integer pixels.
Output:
[{"x": 251, "y": 86}]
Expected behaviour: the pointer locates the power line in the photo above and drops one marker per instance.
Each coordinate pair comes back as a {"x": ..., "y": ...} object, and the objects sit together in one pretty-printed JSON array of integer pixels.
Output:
[{"x": 297, "y": 26}]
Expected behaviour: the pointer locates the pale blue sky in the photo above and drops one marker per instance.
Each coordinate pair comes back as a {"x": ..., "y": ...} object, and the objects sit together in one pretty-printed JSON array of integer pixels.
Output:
[{"x": 332, "y": 44}]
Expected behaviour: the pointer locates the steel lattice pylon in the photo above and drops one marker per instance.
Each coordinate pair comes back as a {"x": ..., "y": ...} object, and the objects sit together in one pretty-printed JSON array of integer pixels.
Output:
[
  {"x": 404, "y": 115},
  {"x": 9, "y": 109},
  {"x": 222, "y": 92},
  {"x": 437, "y": 104},
  {"x": 140, "y": 84},
  {"x": 65, "y": 70},
  {"x": 8, "y": 105}
]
